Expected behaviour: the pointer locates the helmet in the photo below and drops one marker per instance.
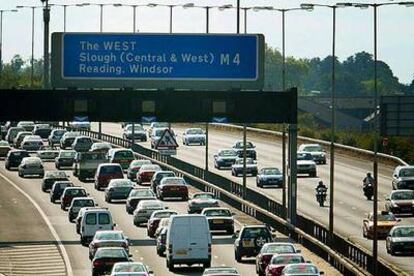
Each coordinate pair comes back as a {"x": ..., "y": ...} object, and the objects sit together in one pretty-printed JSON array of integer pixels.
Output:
[
  {"x": 368, "y": 174},
  {"x": 320, "y": 182}
]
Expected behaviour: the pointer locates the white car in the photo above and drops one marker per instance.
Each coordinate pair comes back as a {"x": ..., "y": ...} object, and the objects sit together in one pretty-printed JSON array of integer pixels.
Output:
[
  {"x": 238, "y": 166},
  {"x": 194, "y": 136},
  {"x": 139, "y": 132},
  {"x": 144, "y": 210},
  {"x": 306, "y": 164},
  {"x": 31, "y": 166},
  {"x": 316, "y": 150}
]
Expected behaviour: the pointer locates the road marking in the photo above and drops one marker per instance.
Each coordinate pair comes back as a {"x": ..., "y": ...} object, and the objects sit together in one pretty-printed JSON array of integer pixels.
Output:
[
  {"x": 341, "y": 202},
  {"x": 48, "y": 223},
  {"x": 353, "y": 208}
]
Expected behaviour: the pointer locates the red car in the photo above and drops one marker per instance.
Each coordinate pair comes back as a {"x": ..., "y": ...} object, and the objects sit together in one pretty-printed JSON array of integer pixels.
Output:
[
  {"x": 146, "y": 172},
  {"x": 279, "y": 261},
  {"x": 172, "y": 187},
  {"x": 105, "y": 173},
  {"x": 155, "y": 219},
  {"x": 70, "y": 193},
  {"x": 270, "y": 249}
]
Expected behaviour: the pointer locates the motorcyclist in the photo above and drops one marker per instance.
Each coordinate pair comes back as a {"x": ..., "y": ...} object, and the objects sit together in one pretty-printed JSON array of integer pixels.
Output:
[
  {"x": 321, "y": 186},
  {"x": 368, "y": 180}
]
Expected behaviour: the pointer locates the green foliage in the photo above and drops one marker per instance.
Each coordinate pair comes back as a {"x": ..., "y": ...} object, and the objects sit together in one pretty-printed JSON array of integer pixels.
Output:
[{"x": 17, "y": 73}]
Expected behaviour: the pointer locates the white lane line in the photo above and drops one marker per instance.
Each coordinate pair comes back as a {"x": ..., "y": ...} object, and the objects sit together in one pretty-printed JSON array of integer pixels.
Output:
[{"x": 48, "y": 223}]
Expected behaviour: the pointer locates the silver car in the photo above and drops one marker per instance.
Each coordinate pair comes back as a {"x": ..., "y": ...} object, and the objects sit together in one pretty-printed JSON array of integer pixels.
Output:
[
  {"x": 301, "y": 269},
  {"x": 145, "y": 209},
  {"x": 32, "y": 142},
  {"x": 31, "y": 166}
]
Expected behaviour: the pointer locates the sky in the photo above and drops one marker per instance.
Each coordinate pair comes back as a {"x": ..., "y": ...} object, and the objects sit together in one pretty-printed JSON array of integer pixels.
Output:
[{"x": 308, "y": 34}]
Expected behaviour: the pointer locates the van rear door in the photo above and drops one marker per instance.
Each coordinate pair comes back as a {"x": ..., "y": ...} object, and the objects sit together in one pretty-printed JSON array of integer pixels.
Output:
[
  {"x": 200, "y": 238},
  {"x": 181, "y": 238},
  {"x": 105, "y": 221},
  {"x": 90, "y": 225}
]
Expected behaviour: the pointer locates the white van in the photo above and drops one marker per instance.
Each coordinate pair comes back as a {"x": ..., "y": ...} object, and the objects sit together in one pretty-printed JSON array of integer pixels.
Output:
[
  {"x": 188, "y": 241},
  {"x": 94, "y": 220}
]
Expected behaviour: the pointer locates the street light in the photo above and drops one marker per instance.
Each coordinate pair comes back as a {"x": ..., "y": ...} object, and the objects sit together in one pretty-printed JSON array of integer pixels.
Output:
[
  {"x": 64, "y": 11},
  {"x": 1, "y": 36},
  {"x": 134, "y": 14},
  {"x": 376, "y": 120},
  {"x": 152, "y": 5}
]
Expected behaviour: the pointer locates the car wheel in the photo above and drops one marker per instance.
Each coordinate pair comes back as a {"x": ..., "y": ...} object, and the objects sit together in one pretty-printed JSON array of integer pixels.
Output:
[
  {"x": 237, "y": 256},
  {"x": 161, "y": 197},
  {"x": 258, "y": 184},
  {"x": 170, "y": 266},
  {"x": 159, "y": 252},
  {"x": 95, "y": 273},
  {"x": 43, "y": 188},
  {"x": 364, "y": 233},
  {"x": 58, "y": 166},
  {"x": 312, "y": 174},
  {"x": 207, "y": 264}
]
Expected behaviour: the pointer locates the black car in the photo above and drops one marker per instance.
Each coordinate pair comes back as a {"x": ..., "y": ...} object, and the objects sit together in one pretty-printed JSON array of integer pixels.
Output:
[
  {"x": 158, "y": 176},
  {"x": 250, "y": 149},
  {"x": 106, "y": 257},
  {"x": 43, "y": 130},
  {"x": 250, "y": 240},
  {"x": 57, "y": 189},
  {"x": 68, "y": 138},
  {"x": 66, "y": 158},
  {"x": 51, "y": 177},
  {"x": 14, "y": 158}
]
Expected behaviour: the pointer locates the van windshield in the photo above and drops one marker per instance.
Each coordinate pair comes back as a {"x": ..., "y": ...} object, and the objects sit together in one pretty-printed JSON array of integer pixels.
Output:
[
  {"x": 110, "y": 169},
  {"x": 125, "y": 154}
]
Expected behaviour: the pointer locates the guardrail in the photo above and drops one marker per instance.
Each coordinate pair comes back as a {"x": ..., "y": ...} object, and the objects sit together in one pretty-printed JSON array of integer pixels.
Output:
[{"x": 346, "y": 257}]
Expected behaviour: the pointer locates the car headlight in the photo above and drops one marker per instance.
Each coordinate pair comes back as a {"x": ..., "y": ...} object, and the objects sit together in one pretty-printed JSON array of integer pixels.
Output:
[{"x": 393, "y": 204}]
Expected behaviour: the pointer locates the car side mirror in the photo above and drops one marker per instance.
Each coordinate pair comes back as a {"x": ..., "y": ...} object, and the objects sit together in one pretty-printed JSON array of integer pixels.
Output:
[
  {"x": 130, "y": 255},
  {"x": 396, "y": 176},
  {"x": 114, "y": 224},
  {"x": 88, "y": 194},
  {"x": 298, "y": 251},
  {"x": 166, "y": 207},
  {"x": 96, "y": 204}
]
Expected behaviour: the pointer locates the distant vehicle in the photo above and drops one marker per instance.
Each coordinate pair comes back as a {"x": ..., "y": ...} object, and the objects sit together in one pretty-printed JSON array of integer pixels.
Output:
[
  {"x": 47, "y": 154},
  {"x": 238, "y": 146},
  {"x": 279, "y": 262},
  {"x": 225, "y": 158},
  {"x": 164, "y": 223},
  {"x": 100, "y": 147},
  {"x": 108, "y": 238},
  {"x": 238, "y": 167},
  {"x": 68, "y": 138},
  {"x": 156, "y": 135},
  {"x": 219, "y": 219},
  {"x": 32, "y": 143},
  {"x": 77, "y": 204},
  {"x": 69, "y": 193},
  {"x": 80, "y": 125},
  {"x": 403, "y": 178},
  {"x": 139, "y": 133},
  {"x": 121, "y": 156},
  {"x": 14, "y": 158},
  {"x": 301, "y": 269},
  {"x": 269, "y": 176},
  {"x": 12, "y": 133},
  {"x": 134, "y": 167},
  {"x": 154, "y": 125},
  {"x": 221, "y": 271},
  {"x": 250, "y": 240},
  {"x": 17, "y": 141},
  {"x": 305, "y": 164},
  {"x": 106, "y": 257},
  {"x": 86, "y": 164},
  {"x": 94, "y": 219},
  {"x": 269, "y": 250},
  {"x": 316, "y": 150},
  {"x": 144, "y": 210},
  {"x": 43, "y": 130},
  {"x": 130, "y": 269},
  {"x": 385, "y": 222},
  {"x": 82, "y": 211},
  {"x": 31, "y": 166},
  {"x": 146, "y": 172},
  {"x": 400, "y": 240},
  {"x": 51, "y": 177},
  {"x": 194, "y": 136},
  {"x": 181, "y": 248},
  {"x": 65, "y": 159},
  {"x": 158, "y": 176},
  {"x": 105, "y": 173},
  {"x": 27, "y": 125},
  {"x": 135, "y": 196},
  {"x": 400, "y": 202},
  {"x": 118, "y": 189},
  {"x": 55, "y": 136},
  {"x": 155, "y": 219},
  {"x": 57, "y": 189},
  {"x": 82, "y": 143},
  {"x": 4, "y": 148},
  {"x": 201, "y": 200},
  {"x": 161, "y": 241},
  {"x": 172, "y": 187}
]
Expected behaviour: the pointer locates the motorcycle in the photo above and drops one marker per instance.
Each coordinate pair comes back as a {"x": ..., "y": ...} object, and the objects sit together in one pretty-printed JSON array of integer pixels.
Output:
[
  {"x": 368, "y": 190},
  {"x": 321, "y": 195}
]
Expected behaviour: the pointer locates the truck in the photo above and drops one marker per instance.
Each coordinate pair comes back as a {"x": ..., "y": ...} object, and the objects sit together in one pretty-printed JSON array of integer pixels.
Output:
[{"x": 86, "y": 163}]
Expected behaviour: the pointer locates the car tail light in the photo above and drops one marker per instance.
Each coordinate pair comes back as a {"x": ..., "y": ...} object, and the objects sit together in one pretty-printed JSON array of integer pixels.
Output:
[
  {"x": 97, "y": 263},
  {"x": 266, "y": 259}
]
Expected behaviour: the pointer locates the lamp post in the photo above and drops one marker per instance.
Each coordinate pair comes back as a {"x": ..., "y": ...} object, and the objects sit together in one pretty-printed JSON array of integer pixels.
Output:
[
  {"x": 171, "y": 7},
  {"x": 134, "y": 13},
  {"x": 1, "y": 36},
  {"x": 46, "y": 21},
  {"x": 375, "y": 7},
  {"x": 64, "y": 6}
]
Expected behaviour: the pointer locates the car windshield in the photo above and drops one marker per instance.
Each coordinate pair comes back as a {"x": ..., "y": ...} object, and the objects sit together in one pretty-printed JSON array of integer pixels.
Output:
[
  {"x": 129, "y": 267},
  {"x": 240, "y": 145},
  {"x": 142, "y": 193},
  {"x": 101, "y": 146},
  {"x": 164, "y": 214},
  {"x": 256, "y": 232},
  {"x": 111, "y": 169},
  {"x": 71, "y": 134},
  {"x": 84, "y": 140},
  {"x": 402, "y": 195},
  {"x": 84, "y": 203},
  {"x": 217, "y": 213},
  {"x": 109, "y": 236},
  {"x": 385, "y": 217},
  {"x": 227, "y": 153},
  {"x": 151, "y": 205},
  {"x": 155, "y": 125},
  {"x": 203, "y": 196},
  {"x": 161, "y": 175},
  {"x": 139, "y": 163},
  {"x": 68, "y": 154},
  {"x": 312, "y": 148},
  {"x": 194, "y": 131},
  {"x": 304, "y": 156},
  {"x": 279, "y": 248},
  {"x": 121, "y": 183},
  {"x": 272, "y": 171},
  {"x": 173, "y": 181},
  {"x": 248, "y": 161},
  {"x": 149, "y": 167},
  {"x": 406, "y": 232},
  {"x": 32, "y": 161},
  {"x": 301, "y": 269},
  {"x": 124, "y": 154},
  {"x": 32, "y": 138},
  {"x": 158, "y": 132},
  {"x": 220, "y": 270},
  {"x": 56, "y": 174},
  {"x": 4, "y": 144},
  {"x": 407, "y": 172},
  {"x": 76, "y": 192},
  {"x": 111, "y": 253},
  {"x": 42, "y": 126},
  {"x": 59, "y": 132},
  {"x": 93, "y": 156},
  {"x": 288, "y": 259},
  {"x": 136, "y": 128}
]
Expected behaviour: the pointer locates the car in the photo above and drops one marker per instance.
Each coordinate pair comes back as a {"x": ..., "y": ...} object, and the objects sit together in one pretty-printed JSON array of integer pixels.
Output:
[
  {"x": 161, "y": 241},
  {"x": 238, "y": 167},
  {"x": 57, "y": 189},
  {"x": 47, "y": 155},
  {"x": 79, "y": 217},
  {"x": 31, "y": 166},
  {"x": 105, "y": 172},
  {"x": 121, "y": 156},
  {"x": 250, "y": 240},
  {"x": 27, "y": 125},
  {"x": 146, "y": 172},
  {"x": 134, "y": 167},
  {"x": 43, "y": 130},
  {"x": 68, "y": 138},
  {"x": 400, "y": 239},
  {"x": 269, "y": 250},
  {"x": 31, "y": 143},
  {"x": 385, "y": 221},
  {"x": 306, "y": 164},
  {"x": 80, "y": 125},
  {"x": 144, "y": 210},
  {"x": 221, "y": 271},
  {"x": 131, "y": 269},
  {"x": 17, "y": 141},
  {"x": 269, "y": 177},
  {"x": 69, "y": 193},
  {"x": 279, "y": 262},
  {"x": 158, "y": 176},
  {"x": 164, "y": 223},
  {"x": 118, "y": 189},
  {"x": 135, "y": 196},
  {"x": 139, "y": 132},
  {"x": 403, "y": 178},
  {"x": 225, "y": 158},
  {"x": 172, "y": 187},
  {"x": 201, "y": 200},
  {"x": 106, "y": 257},
  {"x": 51, "y": 177},
  {"x": 86, "y": 164},
  {"x": 65, "y": 159},
  {"x": 55, "y": 136},
  {"x": 82, "y": 143},
  {"x": 219, "y": 219},
  {"x": 194, "y": 136},
  {"x": 156, "y": 135},
  {"x": 238, "y": 146},
  {"x": 14, "y": 158},
  {"x": 301, "y": 269},
  {"x": 400, "y": 202},
  {"x": 108, "y": 238},
  {"x": 3, "y": 130},
  {"x": 4, "y": 148},
  {"x": 316, "y": 150},
  {"x": 157, "y": 125},
  {"x": 100, "y": 147},
  {"x": 94, "y": 219},
  {"x": 12, "y": 133},
  {"x": 155, "y": 219},
  {"x": 78, "y": 203}
]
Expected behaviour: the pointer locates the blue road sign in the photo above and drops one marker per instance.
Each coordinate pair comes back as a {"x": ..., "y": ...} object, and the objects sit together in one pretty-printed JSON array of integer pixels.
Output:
[
  {"x": 148, "y": 119},
  {"x": 220, "y": 120},
  {"x": 81, "y": 119}
]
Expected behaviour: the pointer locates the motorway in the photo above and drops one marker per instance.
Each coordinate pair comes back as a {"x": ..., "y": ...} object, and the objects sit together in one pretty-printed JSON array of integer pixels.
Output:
[{"x": 350, "y": 205}]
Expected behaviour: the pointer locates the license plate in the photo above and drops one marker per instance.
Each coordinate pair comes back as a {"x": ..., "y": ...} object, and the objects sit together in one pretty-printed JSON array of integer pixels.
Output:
[
  {"x": 248, "y": 243},
  {"x": 181, "y": 252},
  {"x": 218, "y": 221},
  {"x": 173, "y": 189}
]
